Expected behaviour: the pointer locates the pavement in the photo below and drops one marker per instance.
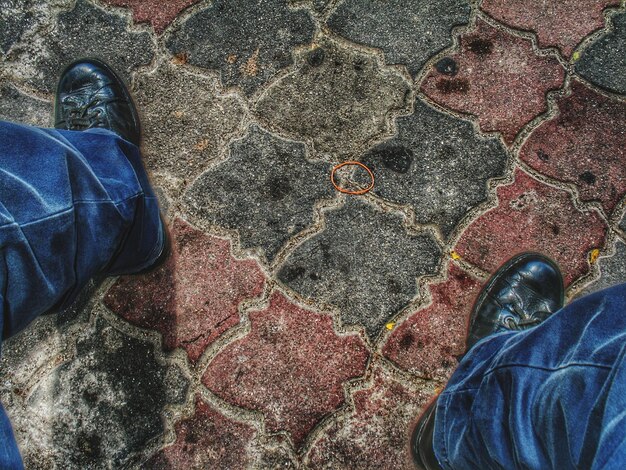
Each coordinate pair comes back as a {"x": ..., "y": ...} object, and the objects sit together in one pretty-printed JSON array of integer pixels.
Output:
[{"x": 296, "y": 326}]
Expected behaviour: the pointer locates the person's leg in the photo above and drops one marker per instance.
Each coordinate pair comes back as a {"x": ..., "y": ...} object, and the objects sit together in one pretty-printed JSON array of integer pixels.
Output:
[
  {"x": 72, "y": 205},
  {"x": 10, "y": 458},
  {"x": 549, "y": 397}
]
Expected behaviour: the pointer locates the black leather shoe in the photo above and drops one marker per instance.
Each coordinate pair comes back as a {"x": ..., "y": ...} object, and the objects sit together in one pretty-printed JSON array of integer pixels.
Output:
[
  {"x": 520, "y": 295},
  {"x": 90, "y": 94},
  {"x": 422, "y": 440}
]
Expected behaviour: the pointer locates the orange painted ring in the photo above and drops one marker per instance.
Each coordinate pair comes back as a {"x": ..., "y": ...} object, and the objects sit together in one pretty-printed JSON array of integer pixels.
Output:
[{"x": 347, "y": 191}]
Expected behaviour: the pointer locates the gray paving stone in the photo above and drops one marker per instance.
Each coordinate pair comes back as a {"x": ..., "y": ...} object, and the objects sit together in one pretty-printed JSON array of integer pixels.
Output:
[
  {"x": 17, "y": 106},
  {"x": 265, "y": 190},
  {"x": 248, "y": 42},
  {"x": 604, "y": 62},
  {"x": 100, "y": 408},
  {"x": 185, "y": 122},
  {"x": 15, "y": 18},
  {"x": 408, "y": 32},
  {"x": 20, "y": 18},
  {"x": 85, "y": 31},
  {"x": 612, "y": 270},
  {"x": 437, "y": 164},
  {"x": 364, "y": 263},
  {"x": 337, "y": 97}
]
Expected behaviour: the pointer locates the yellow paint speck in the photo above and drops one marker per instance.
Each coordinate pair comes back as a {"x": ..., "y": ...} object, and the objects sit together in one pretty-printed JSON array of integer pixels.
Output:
[
  {"x": 455, "y": 256},
  {"x": 593, "y": 256},
  {"x": 390, "y": 325},
  {"x": 575, "y": 56}
]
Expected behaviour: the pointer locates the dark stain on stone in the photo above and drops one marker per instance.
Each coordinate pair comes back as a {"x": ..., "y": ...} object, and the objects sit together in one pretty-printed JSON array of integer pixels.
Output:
[
  {"x": 555, "y": 229},
  {"x": 291, "y": 273},
  {"x": 457, "y": 85},
  {"x": 479, "y": 46},
  {"x": 446, "y": 364},
  {"x": 447, "y": 66},
  {"x": 406, "y": 341},
  {"x": 588, "y": 177},
  {"x": 543, "y": 155},
  {"x": 395, "y": 157},
  {"x": 359, "y": 65},
  {"x": 89, "y": 445},
  {"x": 315, "y": 58},
  {"x": 278, "y": 187},
  {"x": 314, "y": 277},
  {"x": 394, "y": 286}
]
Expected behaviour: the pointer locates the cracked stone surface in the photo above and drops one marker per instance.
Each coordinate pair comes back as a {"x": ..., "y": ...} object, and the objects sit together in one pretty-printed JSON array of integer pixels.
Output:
[
  {"x": 532, "y": 216},
  {"x": 103, "y": 405},
  {"x": 437, "y": 165},
  {"x": 361, "y": 246},
  {"x": 159, "y": 14},
  {"x": 17, "y": 106},
  {"x": 337, "y": 97},
  {"x": 266, "y": 190},
  {"x": 496, "y": 77},
  {"x": 208, "y": 439},
  {"x": 277, "y": 367},
  {"x": 72, "y": 37},
  {"x": 376, "y": 434},
  {"x": 557, "y": 24},
  {"x": 192, "y": 304},
  {"x": 186, "y": 121},
  {"x": 409, "y": 33},
  {"x": 604, "y": 61},
  {"x": 585, "y": 144},
  {"x": 246, "y": 52},
  {"x": 428, "y": 342}
]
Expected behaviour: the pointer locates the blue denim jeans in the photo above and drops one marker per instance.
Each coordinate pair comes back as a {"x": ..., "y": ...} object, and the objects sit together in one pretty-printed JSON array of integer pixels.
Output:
[
  {"x": 552, "y": 397},
  {"x": 73, "y": 205}
]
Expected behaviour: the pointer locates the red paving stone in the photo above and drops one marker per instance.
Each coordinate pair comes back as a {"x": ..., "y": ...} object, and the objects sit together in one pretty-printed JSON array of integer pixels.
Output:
[
  {"x": 207, "y": 439},
  {"x": 499, "y": 79},
  {"x": 561, "y": 24},
  {"x": 428, "y": 342},
  {"x": 156, "y": 12},
  {"x": 532, "y": 216},
  {"x": 584, "y": 144},
  {"x": 194, "y": 297},
  {"x": 291, "y": 366},
  {"x": 376, "y": 434}
]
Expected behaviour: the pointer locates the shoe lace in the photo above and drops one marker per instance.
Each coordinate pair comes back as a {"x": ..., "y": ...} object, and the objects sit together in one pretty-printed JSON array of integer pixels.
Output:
[{"x": 82, "y": 111}]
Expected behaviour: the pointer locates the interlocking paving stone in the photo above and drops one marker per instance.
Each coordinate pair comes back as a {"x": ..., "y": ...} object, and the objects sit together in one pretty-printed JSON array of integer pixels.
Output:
[
  {"x": 156, "y": 12},
  {"x": 15, "y": 18},
  {"x": 266, "y": 190},
  {"x": 103, "y": 406},
  {"x": 604, "y": 62},
  {"x": 364, "y": 263},
  {"x": 612, "y": 270},
  {"x": 193, "y": 299},
  {"x": 376, "y": 434},
  {"x": 85, "y": 31},
  {"x": 532, "y": 216},
  {"x": 585, "y": 144},
  {"x": 557, "y": 24},
  {"x": 291, "y": 367},
  {"x": 208, "y": 439},
  {"x": 247, "y": 51},
  {"x": 185, "y": 120},
  {"x": 429, "y": 341},
  {"x": 19, "y": 107},
  {"x": 337, "y": 97},
  {"x": 409, "y": 33},
  {"x": 498, "y": 78},
  {"x": 436, "y": 164}
]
